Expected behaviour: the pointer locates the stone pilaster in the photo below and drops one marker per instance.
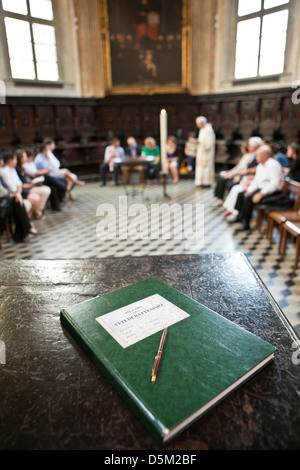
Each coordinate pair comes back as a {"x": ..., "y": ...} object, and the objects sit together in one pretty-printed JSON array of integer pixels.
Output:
[{"x": 203, "y": 18}]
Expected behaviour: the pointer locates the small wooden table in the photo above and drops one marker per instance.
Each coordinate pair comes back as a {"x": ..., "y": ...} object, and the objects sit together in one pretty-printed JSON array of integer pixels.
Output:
[{"x": 138, "y": 164}]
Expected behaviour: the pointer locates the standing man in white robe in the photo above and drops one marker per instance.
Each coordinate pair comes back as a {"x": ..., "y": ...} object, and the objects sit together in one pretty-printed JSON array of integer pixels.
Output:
[{"x": 205, "y": 160}]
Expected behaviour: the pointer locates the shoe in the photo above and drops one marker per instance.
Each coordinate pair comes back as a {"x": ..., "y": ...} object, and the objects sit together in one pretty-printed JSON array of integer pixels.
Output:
[
  {"x": 244, "y": 227},
  {"x": 217, "y": 202},
  {"x": 102, "y": 184},
  {"x": 33, "y": 231},
  {"x": 234, "y": 221},
  {"x": 227, "y": 214}
]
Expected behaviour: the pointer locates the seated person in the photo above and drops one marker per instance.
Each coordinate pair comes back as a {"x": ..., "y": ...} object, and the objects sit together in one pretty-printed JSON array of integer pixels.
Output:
[
  {"x": 5, "y": 209},
  {"x": 268, "y": 180},
  {"x": 242, "y": 182},
  {"x": 41, "y": 166},
  {"x": 12, "y": 182},
  {"x": 293, "y": 153},
  {"x": 62, "y": 172},
  {"x": 114, "y": 153},
  {"x": 279, "y": 149},
  {"x": 20, "y": 207},
  {"x": 38, "y": 194},
  {"x": 172, "y": 156},
  {"x": 19, "y": 214},
  {"x": 150, "y": 149},
  {"x": 190, "y": 151},
  {"x": 132, "y": 149},
  {"x": 232, "y": 177},
  {"x": 230, "y": 203}
]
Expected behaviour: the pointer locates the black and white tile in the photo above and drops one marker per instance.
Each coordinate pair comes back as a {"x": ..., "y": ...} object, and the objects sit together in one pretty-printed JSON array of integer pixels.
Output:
[{"x": 72, "y": 233}]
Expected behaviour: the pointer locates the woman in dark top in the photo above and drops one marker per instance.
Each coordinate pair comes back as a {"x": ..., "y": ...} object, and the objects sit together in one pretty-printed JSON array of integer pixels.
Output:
[{"x": 293, "y": 152}]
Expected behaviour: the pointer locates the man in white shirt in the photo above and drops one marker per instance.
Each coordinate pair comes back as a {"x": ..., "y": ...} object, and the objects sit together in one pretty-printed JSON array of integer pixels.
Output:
[{"x": 268, "y": 180}]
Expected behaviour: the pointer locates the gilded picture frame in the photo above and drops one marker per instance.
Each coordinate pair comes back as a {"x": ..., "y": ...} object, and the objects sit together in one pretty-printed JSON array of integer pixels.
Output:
[{"x": 132, "y": 36}]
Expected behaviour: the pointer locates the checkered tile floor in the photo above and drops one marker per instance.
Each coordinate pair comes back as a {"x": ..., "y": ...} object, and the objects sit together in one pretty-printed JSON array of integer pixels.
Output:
[{"x": 72, "y": 233}]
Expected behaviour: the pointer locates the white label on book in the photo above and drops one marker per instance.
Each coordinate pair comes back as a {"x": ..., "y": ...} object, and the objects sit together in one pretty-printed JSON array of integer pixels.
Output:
[{"x": 137, "y": 321}]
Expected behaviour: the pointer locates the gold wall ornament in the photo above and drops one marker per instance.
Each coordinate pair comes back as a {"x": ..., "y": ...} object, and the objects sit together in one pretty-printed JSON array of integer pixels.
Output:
[{"x": 138, "y": 84}]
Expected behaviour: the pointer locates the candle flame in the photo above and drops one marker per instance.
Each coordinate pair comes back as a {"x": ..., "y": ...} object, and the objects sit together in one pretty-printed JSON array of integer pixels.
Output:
[{"x": 163, "y": 111}]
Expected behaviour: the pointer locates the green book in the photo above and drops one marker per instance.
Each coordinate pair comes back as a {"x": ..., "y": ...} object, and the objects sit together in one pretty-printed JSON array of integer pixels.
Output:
[{"x": 205, "y": 356}]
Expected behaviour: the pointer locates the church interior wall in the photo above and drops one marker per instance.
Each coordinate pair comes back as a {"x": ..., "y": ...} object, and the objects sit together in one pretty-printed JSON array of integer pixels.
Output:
[{"x": 84, "y": 111}]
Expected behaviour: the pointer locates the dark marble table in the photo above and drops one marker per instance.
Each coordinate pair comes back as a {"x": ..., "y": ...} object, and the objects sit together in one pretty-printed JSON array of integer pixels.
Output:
[{"x": 53, "y": 397}]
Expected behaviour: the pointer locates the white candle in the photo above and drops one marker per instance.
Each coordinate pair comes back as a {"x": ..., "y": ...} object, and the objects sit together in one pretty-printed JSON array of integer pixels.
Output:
[{"x": 163, "y": 141}]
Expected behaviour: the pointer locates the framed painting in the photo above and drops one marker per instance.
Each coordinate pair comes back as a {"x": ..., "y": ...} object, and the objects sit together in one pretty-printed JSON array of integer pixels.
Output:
[{"x": 146, "y": 45}]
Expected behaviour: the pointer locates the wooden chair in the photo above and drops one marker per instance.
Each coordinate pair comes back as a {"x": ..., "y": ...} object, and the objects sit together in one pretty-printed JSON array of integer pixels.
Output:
[
  {"x": 294, "y": 230},
  {"x": 291, "y": 189}
]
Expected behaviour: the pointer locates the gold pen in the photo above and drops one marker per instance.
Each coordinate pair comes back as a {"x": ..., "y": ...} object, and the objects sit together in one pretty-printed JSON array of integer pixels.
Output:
[{"x": 158, "y": 356}]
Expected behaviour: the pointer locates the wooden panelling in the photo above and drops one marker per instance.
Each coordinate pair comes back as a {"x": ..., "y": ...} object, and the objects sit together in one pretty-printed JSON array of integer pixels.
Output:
[
  {"x": 290, "y": 119},
  {"x": 83, "y": 127}
]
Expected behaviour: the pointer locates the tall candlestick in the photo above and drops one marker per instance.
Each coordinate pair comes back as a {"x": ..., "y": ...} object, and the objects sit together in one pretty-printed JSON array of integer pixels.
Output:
[{"x": 163, "y": 141}]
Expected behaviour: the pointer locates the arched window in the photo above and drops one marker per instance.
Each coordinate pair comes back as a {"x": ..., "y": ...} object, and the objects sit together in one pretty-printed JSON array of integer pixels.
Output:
[
  {"x": 31, "y": 39},
  {"x": 261, "y": 38}
]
